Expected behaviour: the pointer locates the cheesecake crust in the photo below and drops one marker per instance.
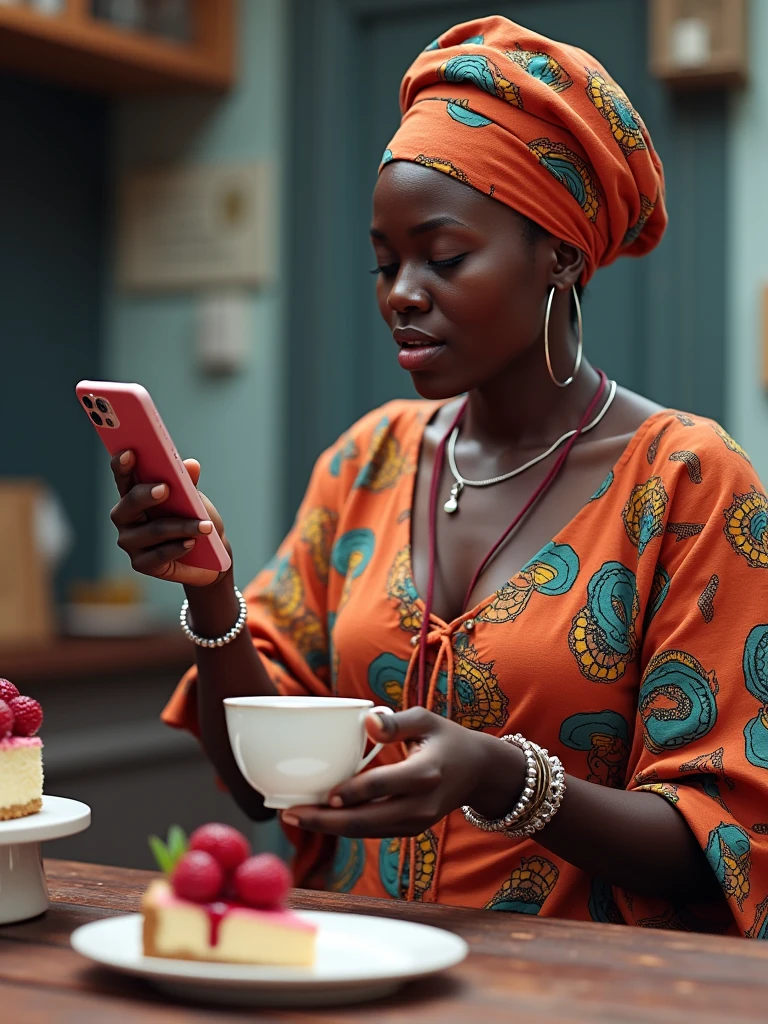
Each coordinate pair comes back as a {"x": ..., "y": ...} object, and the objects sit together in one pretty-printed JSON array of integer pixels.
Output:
[{"x": 21, "y": 810}]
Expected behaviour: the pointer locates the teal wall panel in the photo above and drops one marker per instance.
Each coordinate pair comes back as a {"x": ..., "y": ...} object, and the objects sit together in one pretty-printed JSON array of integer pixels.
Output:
[{"x": 52, "y": 234}]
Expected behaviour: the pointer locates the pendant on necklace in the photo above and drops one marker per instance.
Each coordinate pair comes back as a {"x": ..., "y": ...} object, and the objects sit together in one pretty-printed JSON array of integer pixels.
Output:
[{"x": 452, "y": 505}]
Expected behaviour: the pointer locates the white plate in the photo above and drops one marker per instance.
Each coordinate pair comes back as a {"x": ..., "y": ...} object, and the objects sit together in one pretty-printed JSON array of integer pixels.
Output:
[
  {"x": 58, "y": 817},
  {"x": 358, "y": 958}
]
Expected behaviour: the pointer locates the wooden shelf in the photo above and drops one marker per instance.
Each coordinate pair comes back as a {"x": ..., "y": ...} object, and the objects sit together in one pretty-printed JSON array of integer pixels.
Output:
[
  {"x": 66, "y": 658},
  {"x": 79, "y": 50}
]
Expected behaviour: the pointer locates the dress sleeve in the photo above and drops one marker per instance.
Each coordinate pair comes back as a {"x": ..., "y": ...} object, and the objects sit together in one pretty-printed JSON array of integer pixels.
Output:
[
  {"x": 701, "y": 738},
  {"x": 287, "y": 601}
]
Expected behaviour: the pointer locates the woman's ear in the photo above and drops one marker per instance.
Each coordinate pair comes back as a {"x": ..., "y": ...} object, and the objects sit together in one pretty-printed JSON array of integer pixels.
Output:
[{"x": 567, "y": 266}]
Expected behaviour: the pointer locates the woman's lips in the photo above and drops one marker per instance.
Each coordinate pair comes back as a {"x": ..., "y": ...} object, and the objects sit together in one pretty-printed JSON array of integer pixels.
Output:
[
  {"x": 417, "y": 348},
  {"x": 416, "y": 357}
]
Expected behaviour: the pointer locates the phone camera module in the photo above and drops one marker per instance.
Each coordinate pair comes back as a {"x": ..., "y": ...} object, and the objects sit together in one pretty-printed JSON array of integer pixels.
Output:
[
  {"x": 96, "y": 418},
  {"x": 87, "y": 402},
  {"x": 109, "y": 423},
  {"x": 101, "y": 405}
]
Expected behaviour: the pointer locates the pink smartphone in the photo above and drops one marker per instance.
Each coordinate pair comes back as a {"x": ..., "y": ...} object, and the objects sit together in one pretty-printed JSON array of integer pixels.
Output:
[{"x": 125, "y": 417}]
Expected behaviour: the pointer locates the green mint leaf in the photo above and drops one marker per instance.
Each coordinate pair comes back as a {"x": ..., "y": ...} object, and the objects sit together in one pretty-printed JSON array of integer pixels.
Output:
[
  {"x": 177, "y": 843},
  {"x": 161, "y": 854}
]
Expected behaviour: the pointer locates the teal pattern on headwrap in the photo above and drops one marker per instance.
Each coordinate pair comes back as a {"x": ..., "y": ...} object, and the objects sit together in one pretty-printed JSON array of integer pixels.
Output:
[
  {"x": 474, "y": 69},
  {"x": 461, "y": 113},
  {"x": 470, "y": 68},
  {"x": 571, "y": 171},
  {"x": 543, "y": 67}
]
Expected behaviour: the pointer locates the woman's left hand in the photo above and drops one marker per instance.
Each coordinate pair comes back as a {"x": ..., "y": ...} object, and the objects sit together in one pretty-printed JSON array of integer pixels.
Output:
[{"x": 446, "y": 766}]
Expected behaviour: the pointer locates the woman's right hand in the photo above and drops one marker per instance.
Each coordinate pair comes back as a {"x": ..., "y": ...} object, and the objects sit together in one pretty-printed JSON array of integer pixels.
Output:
[{"x": 155, "y": 545}]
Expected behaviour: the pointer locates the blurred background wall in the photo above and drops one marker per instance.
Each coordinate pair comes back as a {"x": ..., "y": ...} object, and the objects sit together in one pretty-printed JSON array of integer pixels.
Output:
[
  {"x": 231, "y": 424},
  {"x": 314, "y": 96},
  {"x": 747, "y": 274}
]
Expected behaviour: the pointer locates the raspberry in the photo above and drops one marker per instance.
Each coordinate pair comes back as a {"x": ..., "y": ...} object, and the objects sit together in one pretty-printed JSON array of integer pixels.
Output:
[
  {"x": 263, "y": 881},
  {"x": 6, "y": 720},
  {"x": 7, "y": 690},
  {"x": 224, "y": 843},
  {"x": 27, "y": 714},
  {"x": 197, "y": 877}
]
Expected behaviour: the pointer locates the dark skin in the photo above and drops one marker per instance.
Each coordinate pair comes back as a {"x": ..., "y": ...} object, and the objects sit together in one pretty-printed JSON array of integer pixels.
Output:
[{"x": 460, "y": 267}]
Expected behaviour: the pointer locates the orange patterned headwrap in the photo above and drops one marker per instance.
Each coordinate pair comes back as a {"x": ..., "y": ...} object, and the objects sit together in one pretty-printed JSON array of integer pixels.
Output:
[{"x": 540, "y": 126}]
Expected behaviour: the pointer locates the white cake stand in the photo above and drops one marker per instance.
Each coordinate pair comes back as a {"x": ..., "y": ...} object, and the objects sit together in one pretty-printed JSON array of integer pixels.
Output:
[{"x": 23, "y": 892}]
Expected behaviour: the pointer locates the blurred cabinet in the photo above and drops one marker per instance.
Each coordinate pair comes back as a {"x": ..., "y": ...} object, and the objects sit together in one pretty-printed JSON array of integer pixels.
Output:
[
  {"x": 700, "y": 43},
  {"x": 121, "y": 46}
]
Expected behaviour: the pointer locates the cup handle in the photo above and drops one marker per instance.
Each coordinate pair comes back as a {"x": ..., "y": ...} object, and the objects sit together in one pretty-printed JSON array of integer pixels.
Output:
[{"x": 385, "y": 710}]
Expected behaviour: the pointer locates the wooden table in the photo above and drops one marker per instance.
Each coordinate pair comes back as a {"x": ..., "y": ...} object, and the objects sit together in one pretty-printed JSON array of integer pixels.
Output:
[{"x": 520, "y": 968}]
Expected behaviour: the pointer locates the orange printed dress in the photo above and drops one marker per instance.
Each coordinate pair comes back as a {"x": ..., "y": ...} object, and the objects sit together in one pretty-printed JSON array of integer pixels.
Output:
[{"x": 634, "y": 646}]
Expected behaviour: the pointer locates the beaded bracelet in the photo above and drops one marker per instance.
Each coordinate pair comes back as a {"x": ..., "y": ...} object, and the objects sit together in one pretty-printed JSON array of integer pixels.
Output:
[
  {"x": 219, "y": 641},
  {"x": 553, "y": 797},
  {"x": 541, "y": 796}
]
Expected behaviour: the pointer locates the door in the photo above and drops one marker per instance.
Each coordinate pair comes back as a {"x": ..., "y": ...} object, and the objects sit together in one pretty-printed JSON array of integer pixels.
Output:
[{"x": 656, "y": 324}]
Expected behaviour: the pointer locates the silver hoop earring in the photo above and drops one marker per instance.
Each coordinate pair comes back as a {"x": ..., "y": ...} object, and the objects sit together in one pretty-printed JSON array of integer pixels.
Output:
[{"x": 579, "y": 348}]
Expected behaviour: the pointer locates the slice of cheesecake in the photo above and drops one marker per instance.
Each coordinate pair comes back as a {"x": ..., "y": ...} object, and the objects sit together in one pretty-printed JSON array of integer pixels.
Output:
[
  {"x": 21, "y": 776},
  {"x": 229, "y": 932}
]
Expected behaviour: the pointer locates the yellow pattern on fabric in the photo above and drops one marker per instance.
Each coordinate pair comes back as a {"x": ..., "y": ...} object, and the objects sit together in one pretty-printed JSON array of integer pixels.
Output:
[
  {"x": 283, "y": 596},
  {"x": 317, "y": 532},
  {"x": 644, "y": 512},
  {"x": 746, "y": 527},
  {"x": 386, "y": 460},
  {"x": 614, "y": 106},
  {"x": 480, "y": 703},
  {"x": 527, "y": 887},
  {"x": 440, "y": 163},
  {"x": 729, "y": 442},
  {"x": 400, "y": 588}
]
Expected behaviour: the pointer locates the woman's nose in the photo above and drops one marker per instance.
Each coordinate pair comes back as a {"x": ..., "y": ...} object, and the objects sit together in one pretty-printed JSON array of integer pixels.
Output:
[{"x": 407, "y": 293}]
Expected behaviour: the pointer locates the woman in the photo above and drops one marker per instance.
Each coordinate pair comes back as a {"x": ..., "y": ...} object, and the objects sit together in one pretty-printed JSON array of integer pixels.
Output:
[{"x": 630, "y": 645}]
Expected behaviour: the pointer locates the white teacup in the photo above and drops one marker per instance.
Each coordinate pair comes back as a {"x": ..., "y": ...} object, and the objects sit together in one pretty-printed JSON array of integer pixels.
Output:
[{"x": 294, "y": 750}]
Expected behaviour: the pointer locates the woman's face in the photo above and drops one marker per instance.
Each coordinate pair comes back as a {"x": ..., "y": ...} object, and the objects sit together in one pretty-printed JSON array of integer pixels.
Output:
[{"x": 461, "y": 284}]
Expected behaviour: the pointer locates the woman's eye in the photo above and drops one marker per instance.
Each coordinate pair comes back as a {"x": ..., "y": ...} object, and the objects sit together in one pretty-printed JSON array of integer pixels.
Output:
[
  {"x": 386, "y": 269},
  {"x": 445, "y": 264}
]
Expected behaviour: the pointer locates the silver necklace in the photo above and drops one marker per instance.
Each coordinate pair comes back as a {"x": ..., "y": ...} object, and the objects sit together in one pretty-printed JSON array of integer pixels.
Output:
[{"x": 452, "y": 505}]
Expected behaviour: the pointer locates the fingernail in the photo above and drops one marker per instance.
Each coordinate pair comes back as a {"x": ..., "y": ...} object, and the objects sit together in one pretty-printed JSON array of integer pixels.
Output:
[
  {"x": 290, "y": 819},
  {"x": 205, "y": 526},
  {"x": 125, "y": 458},
  {"x": 158, "y": 491},
  {"x": 189, "y": 544},
  {"x": 336, "y": 801}
]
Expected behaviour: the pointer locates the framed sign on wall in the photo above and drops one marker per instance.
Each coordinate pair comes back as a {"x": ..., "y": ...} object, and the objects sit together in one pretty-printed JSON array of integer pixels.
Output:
[{"x": 198, "y": 227}]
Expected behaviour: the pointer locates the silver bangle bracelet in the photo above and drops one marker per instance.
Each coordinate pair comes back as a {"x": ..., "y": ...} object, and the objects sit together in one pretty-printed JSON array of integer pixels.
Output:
[
  {"x": 541, "y": 797},
  {"x": 220, "y": 641}
]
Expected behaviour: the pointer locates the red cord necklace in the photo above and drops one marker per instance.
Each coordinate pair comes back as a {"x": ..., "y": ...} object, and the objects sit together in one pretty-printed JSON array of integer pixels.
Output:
[{"x": 437, "y": 473}]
